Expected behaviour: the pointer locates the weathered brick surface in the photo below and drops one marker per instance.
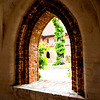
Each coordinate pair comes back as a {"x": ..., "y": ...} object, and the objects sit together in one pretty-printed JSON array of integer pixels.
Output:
[
  {"x": 33, "y": 45},
  {"x": 28, "y": 38}
]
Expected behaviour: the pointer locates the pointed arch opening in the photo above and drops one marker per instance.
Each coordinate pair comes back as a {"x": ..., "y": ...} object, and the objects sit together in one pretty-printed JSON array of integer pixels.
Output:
[
  {"x": 48, "y": 55},
  {"x": 28, "y": 39}
]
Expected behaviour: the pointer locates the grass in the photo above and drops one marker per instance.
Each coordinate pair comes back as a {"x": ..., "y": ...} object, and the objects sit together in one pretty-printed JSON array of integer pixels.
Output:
[{"x": 58, "y": 66}]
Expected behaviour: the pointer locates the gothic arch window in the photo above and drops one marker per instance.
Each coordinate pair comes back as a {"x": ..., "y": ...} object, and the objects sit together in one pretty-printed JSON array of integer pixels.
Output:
[
  {"x": 28, "y": 39},
  {"x": 47, "y": 40},
  {"x": 48, "y": 55}
]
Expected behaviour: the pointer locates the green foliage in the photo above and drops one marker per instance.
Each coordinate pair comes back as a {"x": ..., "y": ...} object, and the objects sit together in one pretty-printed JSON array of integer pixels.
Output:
[
  {"x": 42, "y": 61},
  {"x": 60, "y": 49},
  {"x": 42, "y": 58},
  {"x": 60, "y": 40},
  {"x": 58, "y": 62},
  {"x": 40, "y": 76},
  {"x": 68, "y": 58},
  {"x": 69, "y": 73},
  {"x": 43, "y": 48}
]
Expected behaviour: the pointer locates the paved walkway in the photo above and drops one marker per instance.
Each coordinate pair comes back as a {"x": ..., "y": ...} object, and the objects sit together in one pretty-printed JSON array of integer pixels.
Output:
[
  {"x": 56, "y": 81},
  {"x": 55, "y": 74},
  {"x": 53, "y": 81}
]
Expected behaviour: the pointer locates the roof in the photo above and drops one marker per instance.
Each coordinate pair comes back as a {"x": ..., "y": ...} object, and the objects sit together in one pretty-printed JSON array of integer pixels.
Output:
[{"x": 49, "y": 29}]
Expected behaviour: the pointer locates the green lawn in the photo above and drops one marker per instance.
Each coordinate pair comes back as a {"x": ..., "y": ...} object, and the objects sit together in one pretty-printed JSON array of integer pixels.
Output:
[{"x": 58, "y": 66}]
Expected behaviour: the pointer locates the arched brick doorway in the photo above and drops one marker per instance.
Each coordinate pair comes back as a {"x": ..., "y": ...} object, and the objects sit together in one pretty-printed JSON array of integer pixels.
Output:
[{"x": 28, "y": 39}]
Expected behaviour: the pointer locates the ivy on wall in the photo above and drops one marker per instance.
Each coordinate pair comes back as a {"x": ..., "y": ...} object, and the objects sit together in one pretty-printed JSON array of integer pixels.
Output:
[{"x": 60, "y": 41}]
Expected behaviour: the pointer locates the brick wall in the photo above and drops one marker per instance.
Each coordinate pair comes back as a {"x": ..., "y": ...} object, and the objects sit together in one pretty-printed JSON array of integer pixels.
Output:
[
  {"x": 33, "y": 46},
  {"x": 51, "y": 44},
  {"x": 35, "y": 20}
]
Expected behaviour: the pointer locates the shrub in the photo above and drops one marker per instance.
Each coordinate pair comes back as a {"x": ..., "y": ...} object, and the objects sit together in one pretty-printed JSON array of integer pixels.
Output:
[
  {"x": 42, "y": 61},
  {"x": 58, "y": 62},
  {"x": 68, "y": 58},
  {"x": 42, "y": 58}
]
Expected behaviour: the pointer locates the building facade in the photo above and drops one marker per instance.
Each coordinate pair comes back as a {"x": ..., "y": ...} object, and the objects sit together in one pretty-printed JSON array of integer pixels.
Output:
[{"x": 49, "y": 40}]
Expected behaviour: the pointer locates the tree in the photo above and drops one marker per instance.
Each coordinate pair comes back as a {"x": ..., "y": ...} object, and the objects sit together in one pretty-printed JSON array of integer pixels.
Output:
[{"x": 60, "y": 41}]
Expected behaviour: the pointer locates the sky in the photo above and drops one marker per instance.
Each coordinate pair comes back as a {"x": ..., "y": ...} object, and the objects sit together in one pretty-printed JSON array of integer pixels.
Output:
[{"x": 49, "y": 29}]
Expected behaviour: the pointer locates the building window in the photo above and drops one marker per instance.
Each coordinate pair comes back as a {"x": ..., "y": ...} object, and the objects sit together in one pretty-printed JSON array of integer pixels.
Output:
[
  {"x": 47, "y": 40},
  {"x": 48, "y": 55},
  {"x": 54, "y": 40}
]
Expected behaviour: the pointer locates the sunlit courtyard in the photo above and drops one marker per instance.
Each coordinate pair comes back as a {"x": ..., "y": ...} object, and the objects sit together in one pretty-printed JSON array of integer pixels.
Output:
[{"x": 55, "y": 80}]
